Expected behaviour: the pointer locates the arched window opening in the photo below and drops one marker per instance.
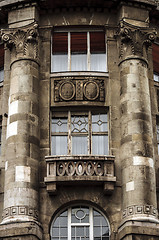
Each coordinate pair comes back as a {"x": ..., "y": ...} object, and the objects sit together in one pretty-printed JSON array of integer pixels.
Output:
[{"x": 80, "y": 223}]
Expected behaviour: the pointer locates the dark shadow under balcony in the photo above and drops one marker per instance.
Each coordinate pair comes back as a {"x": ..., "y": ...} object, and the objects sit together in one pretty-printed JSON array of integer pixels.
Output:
[{"x": 82, "y": 169}]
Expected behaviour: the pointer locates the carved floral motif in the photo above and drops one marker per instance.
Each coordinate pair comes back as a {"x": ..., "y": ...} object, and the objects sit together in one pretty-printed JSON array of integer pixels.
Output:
[{"x": 22, "y": 42}]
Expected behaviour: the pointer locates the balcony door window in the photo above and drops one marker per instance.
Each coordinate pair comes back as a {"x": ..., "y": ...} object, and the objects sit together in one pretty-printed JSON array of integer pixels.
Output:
[
  {"x": 80, "y": 223},
  {"x": 76, "y": 133},
  {"x": 78, "y": 51}
]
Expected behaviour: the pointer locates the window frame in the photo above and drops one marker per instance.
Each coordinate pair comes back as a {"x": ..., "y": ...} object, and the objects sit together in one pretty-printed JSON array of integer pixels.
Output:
[
  {"x": 89, "y": 134},
  {"x": 88, "y": 54},
  {"x": 90, "y": 224}
]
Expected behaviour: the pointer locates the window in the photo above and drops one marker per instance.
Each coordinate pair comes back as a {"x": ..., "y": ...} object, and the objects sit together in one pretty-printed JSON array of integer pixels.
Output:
[
  {"x": 1, "y": 63},
  {"x": 78, "y": 51},
  {"x": 80, "y": 223},
  {"x": 76, "y": 133}
]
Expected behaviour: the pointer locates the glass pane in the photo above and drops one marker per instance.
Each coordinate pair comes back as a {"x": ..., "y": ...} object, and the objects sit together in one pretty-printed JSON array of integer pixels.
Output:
[
  {"x": 79, "y": 124},
  {"x": 79, "y": 231},
  {"x": 63, "y": 232},
  {"x": 78, "y": 62},
  {"x": 100, "y": 145},
  {"x": 156, "y": 77},
  {"x": 63, "y": 221},
  {"x": 105, "y": 231},
  {"x": 99, "y": 123},
  {"x": 59, "y": 125},
  {"x": 56, "y": 223},
  {"x": 59, "y": 63},
  {"x": 55, "y": 232},
  {"x": 79, "y": 145},
  {"x": 97, "y": 221},
  {"x": 98, "y": 62},
  {"x": 59, "y": 145},
  {"x": 1, "y": 75}
]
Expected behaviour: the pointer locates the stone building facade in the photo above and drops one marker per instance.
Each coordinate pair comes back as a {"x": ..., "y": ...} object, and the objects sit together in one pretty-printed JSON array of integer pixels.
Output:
[{"x": 79, "y": 114}]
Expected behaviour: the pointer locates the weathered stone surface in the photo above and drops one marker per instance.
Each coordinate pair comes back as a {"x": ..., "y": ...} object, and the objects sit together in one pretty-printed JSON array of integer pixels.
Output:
[{"x": 29, "y": 95}]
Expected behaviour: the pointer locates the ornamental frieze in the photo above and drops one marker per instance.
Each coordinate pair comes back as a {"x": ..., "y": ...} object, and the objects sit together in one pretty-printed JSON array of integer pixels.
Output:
[
  {"x": 140, "y": 209},
  {"x": 79, "y": 90},
  {"x": 22, "y": 42},
  {"x": 134, "y": 40}
]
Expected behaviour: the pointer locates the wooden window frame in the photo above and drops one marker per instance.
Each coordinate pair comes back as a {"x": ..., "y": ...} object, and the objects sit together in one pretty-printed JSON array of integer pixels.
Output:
[
  {"x": 89, "y": 133},
  {"x": 90, "y": 49}
]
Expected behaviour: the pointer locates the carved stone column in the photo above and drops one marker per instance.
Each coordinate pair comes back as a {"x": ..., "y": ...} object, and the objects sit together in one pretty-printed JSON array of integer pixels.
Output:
[
  {"x": 22, "y": 150},
  {"x": 137, "y": 153}
]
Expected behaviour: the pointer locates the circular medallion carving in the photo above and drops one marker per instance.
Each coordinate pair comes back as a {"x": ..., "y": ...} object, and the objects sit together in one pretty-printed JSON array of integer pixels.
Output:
[
  {"x": 67, "y": 90},
  {"x": 91, "y": 90}
]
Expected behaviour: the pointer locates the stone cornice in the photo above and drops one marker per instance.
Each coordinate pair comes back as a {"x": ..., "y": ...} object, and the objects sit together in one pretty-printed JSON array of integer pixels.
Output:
[
  {"x": 134, "y": 40},
  {"x": 22, "y": 42}
]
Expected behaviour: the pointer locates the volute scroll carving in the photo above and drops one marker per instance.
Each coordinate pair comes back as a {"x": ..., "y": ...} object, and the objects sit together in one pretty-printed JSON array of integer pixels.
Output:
[
  {"x": 22, "y": 42},
  {"x": 134, "y": 40}
]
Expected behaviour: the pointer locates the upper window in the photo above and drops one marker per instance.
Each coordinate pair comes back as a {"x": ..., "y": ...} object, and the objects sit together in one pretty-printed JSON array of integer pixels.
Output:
[
  {"x": 79, "y": 51},
  {"x": 80, "y": 223},
  {"x": 76, "y": 133}
]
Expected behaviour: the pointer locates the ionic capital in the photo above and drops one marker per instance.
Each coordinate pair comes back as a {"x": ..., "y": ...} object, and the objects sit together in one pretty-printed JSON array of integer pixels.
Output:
[
  {"x": 134, "y": 40},
  {"x": 22, "y": 42}
]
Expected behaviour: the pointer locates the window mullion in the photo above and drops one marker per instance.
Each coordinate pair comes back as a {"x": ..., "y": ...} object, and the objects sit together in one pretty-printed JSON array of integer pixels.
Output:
[
  {"x": 69, "y": 133},
  {"x": 88, "y": 53},
  {"x": 69, "y": 224},
  {"x": 91, "y": 223},
  {"x": 69, "y": 51}
]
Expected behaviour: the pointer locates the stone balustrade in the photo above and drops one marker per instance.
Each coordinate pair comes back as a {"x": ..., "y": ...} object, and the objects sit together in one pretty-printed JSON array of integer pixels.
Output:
[{"x": 80, "y": 170}]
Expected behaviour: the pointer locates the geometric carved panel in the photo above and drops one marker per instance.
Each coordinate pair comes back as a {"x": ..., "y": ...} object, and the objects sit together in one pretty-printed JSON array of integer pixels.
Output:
[{"x": 72, "y": 89}]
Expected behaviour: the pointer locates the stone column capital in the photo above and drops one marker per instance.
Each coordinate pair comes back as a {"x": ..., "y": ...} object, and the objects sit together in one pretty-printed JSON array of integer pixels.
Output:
[
  {"x": 22, "y": 42},
  {"x": 134, "y": 40}
]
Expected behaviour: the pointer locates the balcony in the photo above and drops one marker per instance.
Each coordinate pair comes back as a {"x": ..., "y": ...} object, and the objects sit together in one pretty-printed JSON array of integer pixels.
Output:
[{"x": 86, "y": 169}]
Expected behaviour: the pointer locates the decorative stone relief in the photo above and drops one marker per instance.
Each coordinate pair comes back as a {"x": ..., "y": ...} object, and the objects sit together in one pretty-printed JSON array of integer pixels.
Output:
[
  {"x": 22, "y": 42},
  {"x": 140, "y": 209},
  {"x": 134, "y": 40},
  {"x": 79, "y": 90},
  {"x": 20, "y": 211}
]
